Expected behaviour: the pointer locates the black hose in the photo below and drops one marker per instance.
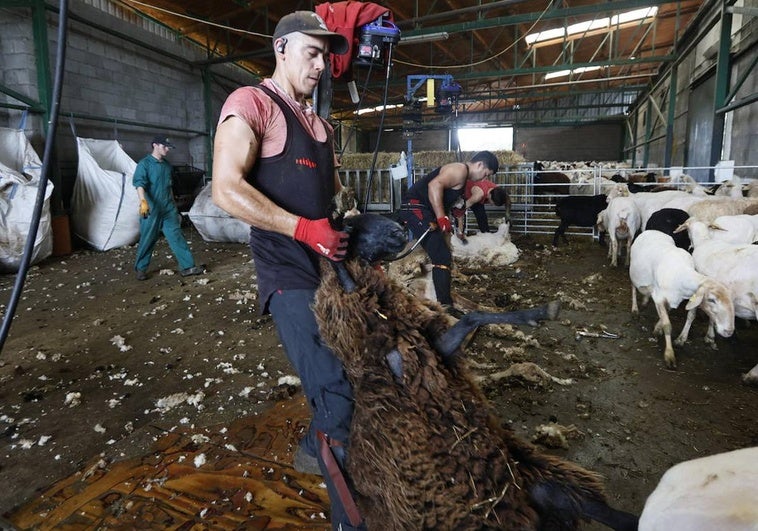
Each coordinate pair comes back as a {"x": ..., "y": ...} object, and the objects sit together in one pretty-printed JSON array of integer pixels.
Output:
[
  {"x": 379, "y": 131},
  {"x": 26, "y": 258}
]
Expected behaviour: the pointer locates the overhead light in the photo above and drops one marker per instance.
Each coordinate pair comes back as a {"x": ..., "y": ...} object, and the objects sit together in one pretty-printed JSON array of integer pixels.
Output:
[
  {"x": 562, "y": 73},
  {"x": 378, "y": 108},
  {"x": 592, "y": 27},
  {"x": 428, "y": 37}
]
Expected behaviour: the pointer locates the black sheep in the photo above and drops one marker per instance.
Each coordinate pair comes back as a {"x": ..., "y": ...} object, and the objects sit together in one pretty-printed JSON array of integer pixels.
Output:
[
  {"x": 425, "y": 450},
  {"x": 581, "y": 210},
  {"x": 668, "y": 219}
]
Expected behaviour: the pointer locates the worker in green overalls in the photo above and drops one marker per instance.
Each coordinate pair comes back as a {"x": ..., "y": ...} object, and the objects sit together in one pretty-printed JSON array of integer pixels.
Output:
[{"x": 158, "y": 212}]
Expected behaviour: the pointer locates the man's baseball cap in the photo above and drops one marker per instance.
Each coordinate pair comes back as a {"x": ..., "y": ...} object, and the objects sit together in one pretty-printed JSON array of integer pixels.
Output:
[
  {"x": 160, "y": 139},
  {"x": 310, "y": 23}
]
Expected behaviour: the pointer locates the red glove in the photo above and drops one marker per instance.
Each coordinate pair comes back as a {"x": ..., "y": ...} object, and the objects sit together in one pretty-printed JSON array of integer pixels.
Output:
[
  {"x": 444, "y": 224},
  {"x": 457, "y": 212},
  {"x": 322, "y": 238}
]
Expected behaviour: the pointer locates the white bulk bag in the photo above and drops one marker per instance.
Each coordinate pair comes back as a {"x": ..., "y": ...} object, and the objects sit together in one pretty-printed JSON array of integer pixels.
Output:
[
  {"x": 105, "y": 204},
  {"x": 213, "y": 223},
  {"x": 20, "y": 171}
]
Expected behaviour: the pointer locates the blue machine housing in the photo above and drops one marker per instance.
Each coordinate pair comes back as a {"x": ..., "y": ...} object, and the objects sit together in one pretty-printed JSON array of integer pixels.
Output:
[{"x": 374, "y": 39}]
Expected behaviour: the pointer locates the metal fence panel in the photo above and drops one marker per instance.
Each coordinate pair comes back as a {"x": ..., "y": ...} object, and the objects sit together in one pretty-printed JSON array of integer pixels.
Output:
[{"x": 532, "y": 204}]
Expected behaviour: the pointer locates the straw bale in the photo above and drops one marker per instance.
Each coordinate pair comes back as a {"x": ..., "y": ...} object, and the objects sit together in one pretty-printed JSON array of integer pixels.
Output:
[{"x": 421, "y": 159}]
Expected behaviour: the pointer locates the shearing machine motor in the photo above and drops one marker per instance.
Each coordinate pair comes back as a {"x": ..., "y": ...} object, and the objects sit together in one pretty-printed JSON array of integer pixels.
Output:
[
  {"x": 447, "y": 96},
  {"x": 375, "y": 38}
]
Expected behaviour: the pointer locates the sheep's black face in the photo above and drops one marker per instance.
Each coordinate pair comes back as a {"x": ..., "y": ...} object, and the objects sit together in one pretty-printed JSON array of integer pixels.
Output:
[{"x": 374, "y": 237}]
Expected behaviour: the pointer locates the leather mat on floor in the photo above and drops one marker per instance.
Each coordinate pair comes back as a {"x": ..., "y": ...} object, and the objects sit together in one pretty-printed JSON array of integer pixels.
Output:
[{"x": 223, "y": 477}]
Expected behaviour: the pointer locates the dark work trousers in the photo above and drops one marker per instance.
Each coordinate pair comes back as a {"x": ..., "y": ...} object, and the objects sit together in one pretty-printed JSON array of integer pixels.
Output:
[
  {"x": 324, "y": 382},
  {"x": 437, "y": 248}
]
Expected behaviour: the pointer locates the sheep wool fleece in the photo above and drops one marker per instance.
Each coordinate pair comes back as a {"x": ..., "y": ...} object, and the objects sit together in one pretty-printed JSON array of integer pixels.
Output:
[
  {"x": 155, "y": 177},
  {"x": 425, "y": 450}
]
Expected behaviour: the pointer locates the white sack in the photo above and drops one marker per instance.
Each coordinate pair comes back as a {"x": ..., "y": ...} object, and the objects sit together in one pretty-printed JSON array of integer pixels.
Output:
[
  {"x": 20, "y": 171},
  {"x": 213, "y": 223},
  {"x": 104, "y": 204}
]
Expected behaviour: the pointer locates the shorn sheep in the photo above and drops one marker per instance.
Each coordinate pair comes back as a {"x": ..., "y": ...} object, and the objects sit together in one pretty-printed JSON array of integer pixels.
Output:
[
  {"x": 622, "y": 221},
  {"x": 712, "y": 493},
  {"x": 425, "y": 450},
  {"x": 735, "y": 229},
  {"x": 661, "y": 270},
  {"x": 736, "y": 265}
]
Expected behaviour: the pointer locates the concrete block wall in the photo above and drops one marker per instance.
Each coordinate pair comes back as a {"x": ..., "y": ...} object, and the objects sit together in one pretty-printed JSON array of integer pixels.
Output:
[
  {"x": 599, "y": 142},
  {"x": 17, "y": 52},
  {"x": 134, "y": 71}
]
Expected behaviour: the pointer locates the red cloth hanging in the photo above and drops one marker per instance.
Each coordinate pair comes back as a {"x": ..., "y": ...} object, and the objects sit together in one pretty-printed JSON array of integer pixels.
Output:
[{"x": 344, "y": 18}]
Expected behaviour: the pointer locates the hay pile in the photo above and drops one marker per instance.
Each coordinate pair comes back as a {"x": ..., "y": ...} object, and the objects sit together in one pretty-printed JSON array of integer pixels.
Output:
[{"x": 421, "y": 159}]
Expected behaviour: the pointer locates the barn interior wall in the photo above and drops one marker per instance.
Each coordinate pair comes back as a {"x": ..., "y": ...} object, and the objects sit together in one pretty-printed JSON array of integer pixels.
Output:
[
  {"x": 573, "y": 143},
  {"x": 393, "y": 141},
  {"x": 111, "y": 78},
  {"x": 600, "y": 141},
  {"x": 744, "y": 133},
  {"x": 740, "y": 141}
]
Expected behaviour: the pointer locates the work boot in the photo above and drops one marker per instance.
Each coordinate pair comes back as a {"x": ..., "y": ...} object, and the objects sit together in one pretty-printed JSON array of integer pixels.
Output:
[
  {"x": 194, "y": 270},
  {"x": 307, "y": 464},
  {"x": 141, "y": 275},
  {"x": 442, "y": 281}
]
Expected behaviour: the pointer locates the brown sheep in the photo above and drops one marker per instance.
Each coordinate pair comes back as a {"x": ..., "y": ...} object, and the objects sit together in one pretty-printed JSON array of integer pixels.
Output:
[{"x": 425, "y": 450}]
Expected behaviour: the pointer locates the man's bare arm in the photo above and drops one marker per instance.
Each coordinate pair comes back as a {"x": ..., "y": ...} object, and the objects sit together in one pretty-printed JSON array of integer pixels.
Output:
[
  {"x": 234, "y": 153},
  {"x": 452, "y": 176}
]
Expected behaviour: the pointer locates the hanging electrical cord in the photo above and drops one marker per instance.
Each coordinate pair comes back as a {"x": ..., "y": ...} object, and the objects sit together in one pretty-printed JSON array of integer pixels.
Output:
[
  {"x": 488, "y": 59},
  {"x": 381, "y": 126},
  {"x": 358, "y": 106},
  {"x": 47, "y": 158}
]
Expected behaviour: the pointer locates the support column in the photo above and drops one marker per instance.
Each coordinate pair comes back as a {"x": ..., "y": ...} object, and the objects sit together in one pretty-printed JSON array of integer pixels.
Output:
[
  {"x": 668, "y": 154},
  {"x": 210, "y": 125},
  {"x": 723, "y": 70}
]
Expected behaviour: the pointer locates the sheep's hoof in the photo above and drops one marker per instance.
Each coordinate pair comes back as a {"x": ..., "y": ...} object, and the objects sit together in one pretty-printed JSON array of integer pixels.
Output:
[{"x": 670, "y": 361}]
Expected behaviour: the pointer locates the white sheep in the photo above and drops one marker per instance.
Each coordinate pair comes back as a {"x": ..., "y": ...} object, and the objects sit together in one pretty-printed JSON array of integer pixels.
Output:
[
  {"x": 649, "y": 202},
  {"x": 622, "y": 221},
  {"x": 736, "y": 265},
  {"x": 717, "y": 492},
  {"x": 741, "y": 228},
  {"x": 661, "y": 270},
  {"x": 711, "y": 208},
  {"x": 583, "y": 183},
  {"x": 731, "y": 188}
]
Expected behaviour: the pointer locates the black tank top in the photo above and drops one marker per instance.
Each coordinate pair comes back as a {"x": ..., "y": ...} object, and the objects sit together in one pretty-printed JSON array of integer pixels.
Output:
[
  {"x": 301, "y": 181},
  {"x": 420, "y": 192}
]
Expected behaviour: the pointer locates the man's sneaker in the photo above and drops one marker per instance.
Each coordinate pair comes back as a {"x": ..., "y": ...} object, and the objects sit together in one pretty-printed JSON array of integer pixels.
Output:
[
  {"x": 307, "y": 464},
  {"x": 194, "y": 270},
  {"x": 141, "y": 275}
]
